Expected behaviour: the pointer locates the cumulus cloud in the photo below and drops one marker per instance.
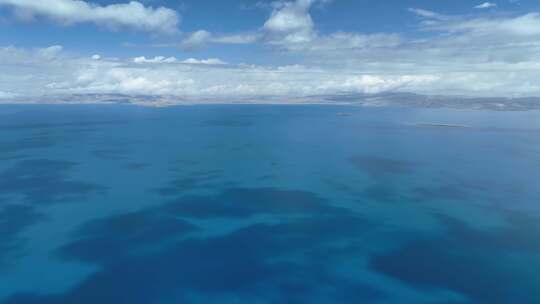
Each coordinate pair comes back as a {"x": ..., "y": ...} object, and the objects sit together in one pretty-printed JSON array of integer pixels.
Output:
[
  {"x": 486, "y": 5},
  {"x": 477, "y": 55},
  {"x": 290, "y": 27},
  {"x": 132, "y": 15},
  {"x": 291, "y": 23}
]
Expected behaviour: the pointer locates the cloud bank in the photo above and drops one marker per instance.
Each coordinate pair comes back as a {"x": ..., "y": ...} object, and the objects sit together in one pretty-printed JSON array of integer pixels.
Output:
[
  {"x": 485, "y": 55},
  {"x": 52, "y": 71}
]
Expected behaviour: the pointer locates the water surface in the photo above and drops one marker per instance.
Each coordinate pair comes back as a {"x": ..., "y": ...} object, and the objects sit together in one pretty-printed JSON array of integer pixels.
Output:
[{"x": 268, "y": 204}]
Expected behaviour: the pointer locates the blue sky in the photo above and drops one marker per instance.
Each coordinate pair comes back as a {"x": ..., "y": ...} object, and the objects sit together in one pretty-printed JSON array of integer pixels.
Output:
[{"x": 244, "y": 48}]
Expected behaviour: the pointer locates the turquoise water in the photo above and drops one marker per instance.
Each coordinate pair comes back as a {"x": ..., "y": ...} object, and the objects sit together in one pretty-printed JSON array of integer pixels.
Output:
[{"x": 268, "y": 204}]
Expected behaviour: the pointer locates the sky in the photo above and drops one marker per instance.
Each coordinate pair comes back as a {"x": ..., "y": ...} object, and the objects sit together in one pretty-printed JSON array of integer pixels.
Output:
[{"x": 284, "y": 48}]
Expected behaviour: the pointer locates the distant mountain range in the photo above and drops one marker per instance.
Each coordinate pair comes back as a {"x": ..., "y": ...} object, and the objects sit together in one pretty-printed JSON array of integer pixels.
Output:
[
  {"x": 436, "y": 101},
  {"x": 369, "y": 100}
]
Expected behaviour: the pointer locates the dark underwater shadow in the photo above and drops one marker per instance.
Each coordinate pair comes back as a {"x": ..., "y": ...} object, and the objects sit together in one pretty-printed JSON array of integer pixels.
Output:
[
  {"x": 29, "y": 185},
  {"x": 155, "y": 254},
  {"x": 496, "y": 266},
  {"x": 378, "y": 166},
  {"x": 44, "y": 181}
]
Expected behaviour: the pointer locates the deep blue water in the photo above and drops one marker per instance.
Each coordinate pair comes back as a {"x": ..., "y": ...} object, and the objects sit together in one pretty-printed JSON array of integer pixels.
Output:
[{"x": 268, "y": 204}]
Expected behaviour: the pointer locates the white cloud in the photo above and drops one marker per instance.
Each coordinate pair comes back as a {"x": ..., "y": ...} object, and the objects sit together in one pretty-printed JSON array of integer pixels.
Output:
[
  {"x": 201, "y": 38},
  {"x": 486, "y": 5},
  {"x": 204, "y": 61},
  {"x": 96, "y": 57},
  {"x": 290, "y": 23},
  {"x": 132, "y": 15},
  {"x": 243, "y": 38},
  {"x": 373, "y": 84},
  {"x": 290, "y": 27},
  {"x": 190, "y": 77},
  {"x": 34, "y": 73},
  {"x": 196, "y": 39},
  {"x": 6, "y": 95},
  {"x": 466, "y": 55},
  {"x": 345, "y": 41},
  {"x": 427, "y": 14},
  {"x": 485, "y": 39},
  {"x": 51, "y": 51},
  {"x": 163, "y": 59},
  {"x": 503, "y": 28},
  {"x": 157, "y": 59}
]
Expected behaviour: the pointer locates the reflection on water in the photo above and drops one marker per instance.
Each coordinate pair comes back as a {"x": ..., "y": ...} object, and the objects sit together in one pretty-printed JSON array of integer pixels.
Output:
[{"x": 268, "y": 204}]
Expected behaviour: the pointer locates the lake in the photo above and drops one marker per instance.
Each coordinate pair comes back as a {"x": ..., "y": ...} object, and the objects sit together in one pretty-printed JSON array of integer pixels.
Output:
[{"x": 268, "y": 204}]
